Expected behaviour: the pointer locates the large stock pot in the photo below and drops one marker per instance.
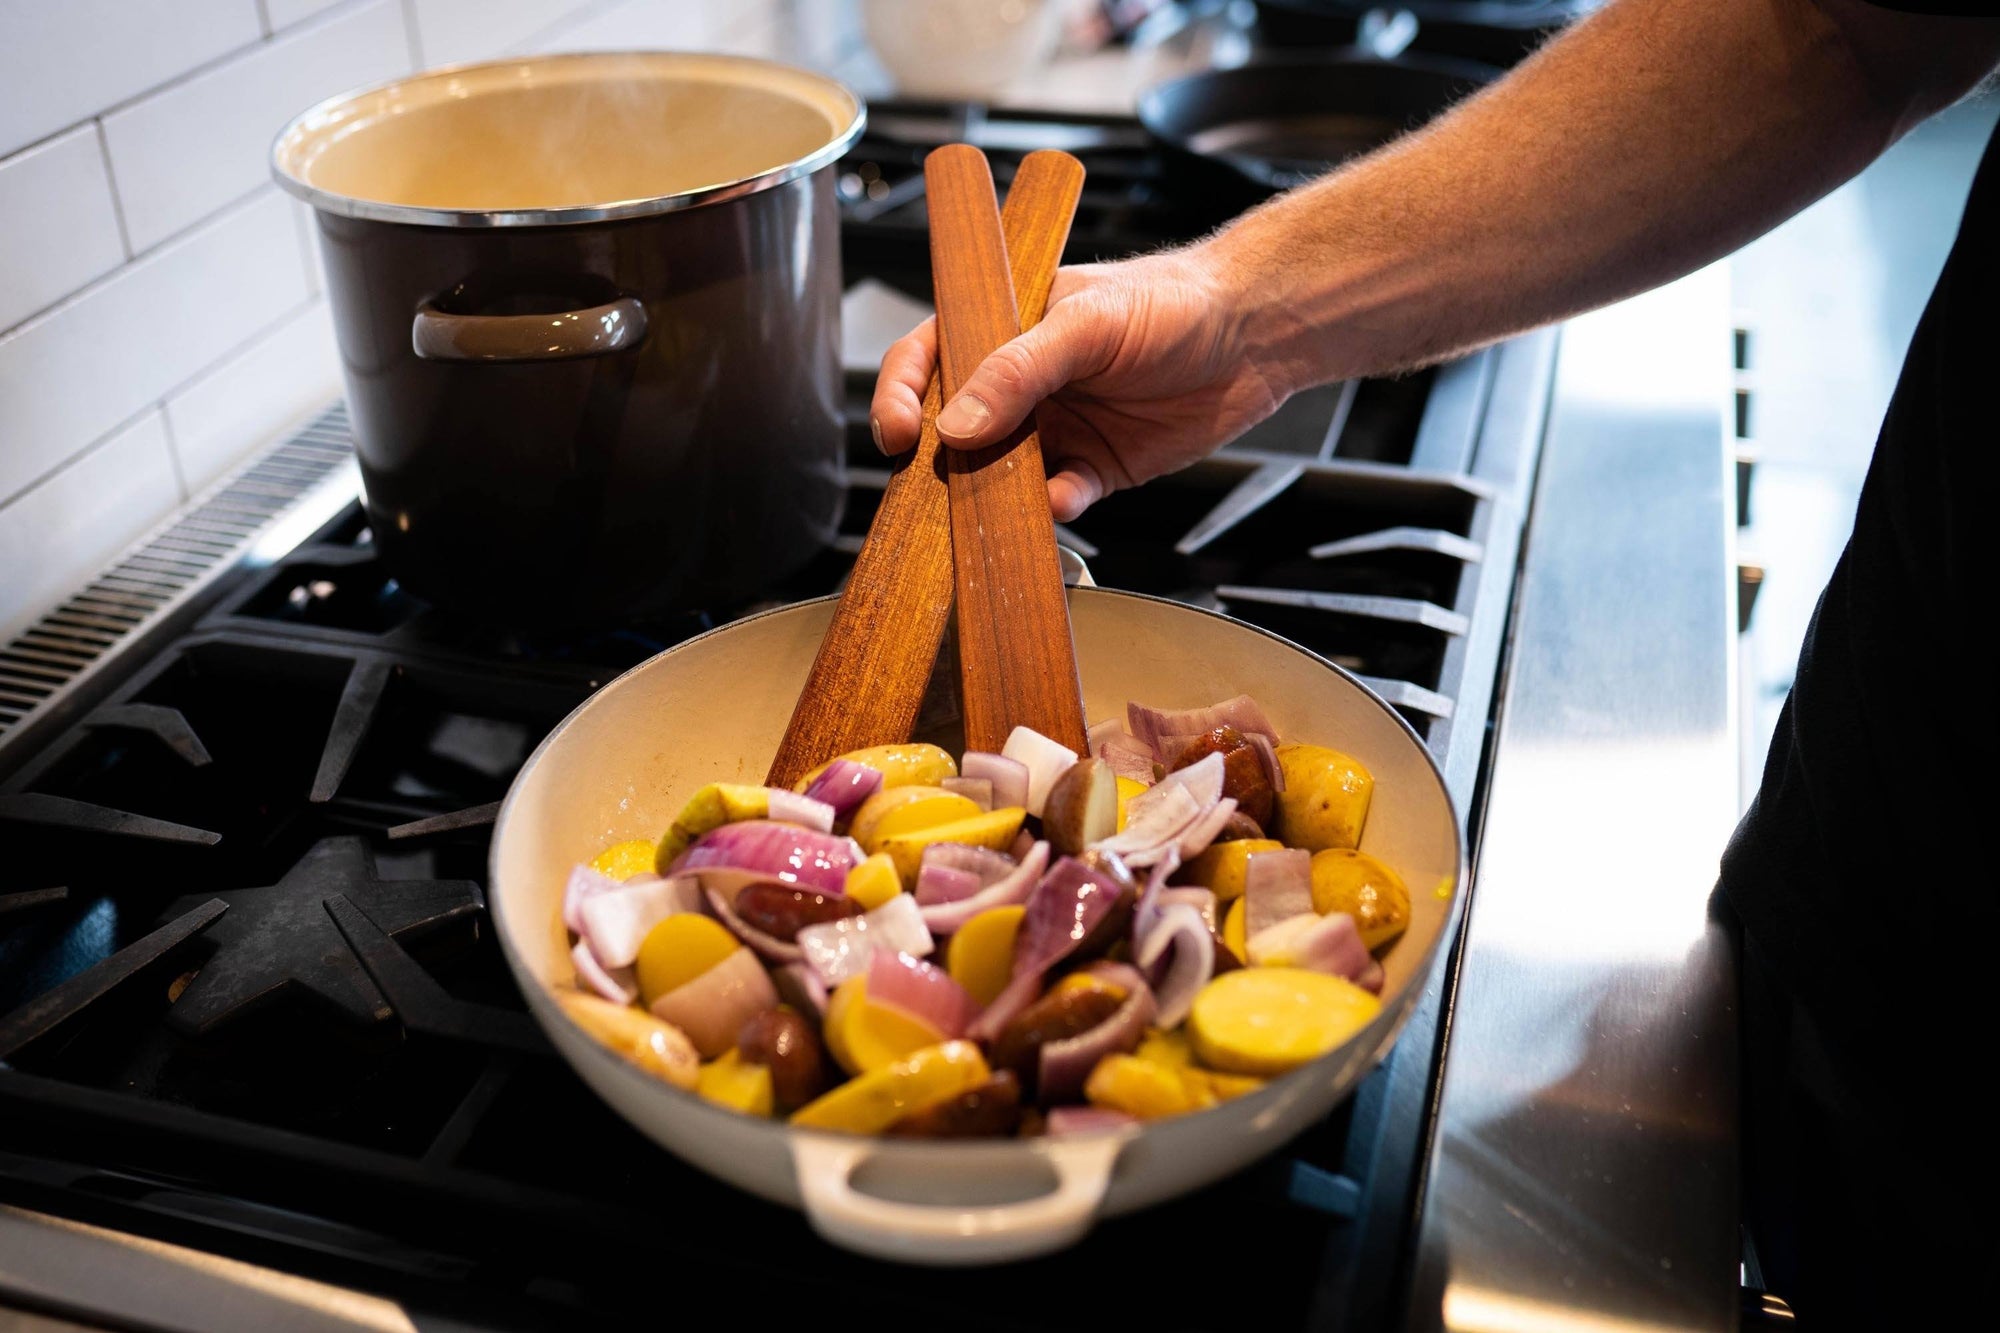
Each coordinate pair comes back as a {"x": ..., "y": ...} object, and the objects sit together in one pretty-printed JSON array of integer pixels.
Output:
[
  {"x": 588, "y": 312},
  {"x": 713, "y": 708}
]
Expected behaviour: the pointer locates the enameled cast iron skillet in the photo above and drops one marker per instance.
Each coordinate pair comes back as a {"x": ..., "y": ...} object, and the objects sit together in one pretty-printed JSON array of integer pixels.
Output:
[{"x": 712, "y": 709}]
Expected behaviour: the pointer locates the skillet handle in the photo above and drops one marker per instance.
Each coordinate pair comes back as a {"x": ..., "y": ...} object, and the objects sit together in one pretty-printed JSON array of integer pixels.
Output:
[
  {"x": 599, "y": 330},
  {"x": 953, "y": 1233}
]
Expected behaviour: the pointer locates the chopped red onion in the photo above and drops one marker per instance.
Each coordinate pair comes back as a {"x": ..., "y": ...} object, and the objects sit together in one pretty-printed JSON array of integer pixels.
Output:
[
  {"x": 768, "y": 946},
  {"x": 788, "y": 807},
  {"x": 944, "y": 884},
  {"x": 1203, "y": 779},
  {"x": 979, "y": 791},
  {"x": 1329, "y": 943},
  {"x": 841, "y": 949},
  {"x": 1065, "y": 1065},
  {"x": 1019, "y": 993},
  {"x": 987, "y": 864},
  {"x": 1046, "y": 760},
  {"x": 1196, "y": 837},
  {"x": 1066, "y": 1120},
  {"x": 1128, "y": 756},
  {"x": 1154, "y": 820},
  {"x": 617, "y": 986},
  {"x": 1267, "y": 755},
  {"x": 1100, "y": 732},
  {"x": 1013, "y": 887},
  {"x": 584, "y": 882},
  {"x": 713, "y": 1007},
  {"x": 1192, "y": 895},
  {"x": 1072, "y": 900},
  {"x": 1181, "y": 946},
  {"x": 615, "y": 922},
  {"x": 844, "y": 784},
  {"x": 783, "y": 853},
  {"x": 922, "y": 991},
  {"x": 1008, "y": 776},
  {"x": 800, "y": 987},
  {"x": 1154, "y": 725},
  {"x": 1276, "y": 885}
]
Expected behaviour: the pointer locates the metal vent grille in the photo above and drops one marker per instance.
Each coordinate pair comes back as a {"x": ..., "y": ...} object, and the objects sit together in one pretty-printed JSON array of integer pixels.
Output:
[{"x": 165, "y": 569}]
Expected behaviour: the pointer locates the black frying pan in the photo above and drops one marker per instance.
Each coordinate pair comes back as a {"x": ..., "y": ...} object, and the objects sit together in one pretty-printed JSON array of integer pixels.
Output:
[{"x": 1277, "y": 123}]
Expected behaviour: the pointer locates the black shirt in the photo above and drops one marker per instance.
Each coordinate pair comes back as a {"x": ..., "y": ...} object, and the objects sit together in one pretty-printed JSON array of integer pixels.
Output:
[{"x": 1867, "y": 872}]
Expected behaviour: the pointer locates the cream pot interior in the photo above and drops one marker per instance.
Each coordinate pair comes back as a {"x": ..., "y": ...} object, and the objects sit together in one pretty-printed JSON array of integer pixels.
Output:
[{"x": 712, "y": 709}]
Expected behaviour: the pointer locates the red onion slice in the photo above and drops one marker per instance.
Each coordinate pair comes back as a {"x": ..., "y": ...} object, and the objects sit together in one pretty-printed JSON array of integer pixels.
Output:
[
  {"x": 1198, "y": 835},
  {"x": 784, "y": 853},
  {"x": 1021, "y": 992},
  {"x": 922, "y": 991},
  {"x": 1128, "y": 756},
  {"x": 1008, "y": 776},
  {"x": 938, "y": 884},
  {"x": 619, "y": 986},
  {"x": 1070, "y": 903},
  {"x": 1153, "y": 725},
  {"x": 1013, "y": 887},
  {"x": 1276, "y": 885},
  {"x": 1192, "y": 895},
  {"x": 788, "y": 807},
  {"x": 979, "y": 791},
  {"x": 841, "y": 949},
  {"x": 985, "y": 863},
  {"x": 1267, "y": 755},
  {"x": 1066, "y": 1120},
  {"x": 800, "y": 987},
  {"x": 713, "y": 1007},
  {"x": 1154, "y": 820},
  {"x": 844, "y": 784},
  {"x": 1103, "y": 731},
  {"x": 1065, "y": 1065},
  {"x": 1203, "y": 779},
  {"x": 1046, "y": 760},
  {"x": 1182, "y": 947},
  {"x": 616, "y": 922},
  {"x": 584, "y": 882},
  {"x": 1329, "y": 944},
  {"x": 767, "y": 946}
]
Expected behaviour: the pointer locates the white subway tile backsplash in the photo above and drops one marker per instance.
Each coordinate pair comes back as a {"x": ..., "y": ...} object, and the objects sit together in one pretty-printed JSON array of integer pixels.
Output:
[
  {"x": 63, "y": 63},
  {"x": 645, "y": 25},
  {"x": 57, "y": 536},
  {"x": 256, "y": 397},
  {"x": 68, "y": 376},
  {"x": 58, "y": 227},
  {"x": 183, "y": 152},
  {"x": 284, "y": 13},
  {"x": 452, "y": 31}
]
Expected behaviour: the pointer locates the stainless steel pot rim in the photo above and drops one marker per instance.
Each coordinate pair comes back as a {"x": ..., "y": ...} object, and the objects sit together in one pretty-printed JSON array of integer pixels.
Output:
[
  {"x": 637, "y": 1078},
  {"x": 343, "y": 205}
]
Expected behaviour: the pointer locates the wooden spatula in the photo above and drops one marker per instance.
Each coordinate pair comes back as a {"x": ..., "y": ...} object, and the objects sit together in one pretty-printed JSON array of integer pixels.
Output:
[
  {"x": 1017, "y": 661},
  {"x": 868, "y": 680}
]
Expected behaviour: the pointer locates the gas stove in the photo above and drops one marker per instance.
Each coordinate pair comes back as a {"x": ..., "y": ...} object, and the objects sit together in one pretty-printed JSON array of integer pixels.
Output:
[{"x": 249, "y": 1003}]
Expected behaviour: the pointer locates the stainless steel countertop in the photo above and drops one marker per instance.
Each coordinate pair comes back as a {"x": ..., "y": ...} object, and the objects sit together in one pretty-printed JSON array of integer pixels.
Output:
[{"x": 1583, "y": 1172}]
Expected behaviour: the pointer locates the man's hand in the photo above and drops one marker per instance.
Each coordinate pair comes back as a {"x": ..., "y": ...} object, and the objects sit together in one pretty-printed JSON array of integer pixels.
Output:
[{"x": 1144, "y": 359}]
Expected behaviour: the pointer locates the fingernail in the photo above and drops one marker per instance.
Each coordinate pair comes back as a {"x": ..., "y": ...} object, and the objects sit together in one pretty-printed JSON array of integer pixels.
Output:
[
  {"x": 964, "y": 417},
  {"x": 875, "y": 430}
]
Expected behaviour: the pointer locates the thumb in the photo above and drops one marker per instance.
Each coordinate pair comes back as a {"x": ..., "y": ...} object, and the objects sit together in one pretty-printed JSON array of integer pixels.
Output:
[{"x": 1067, "y": 345}]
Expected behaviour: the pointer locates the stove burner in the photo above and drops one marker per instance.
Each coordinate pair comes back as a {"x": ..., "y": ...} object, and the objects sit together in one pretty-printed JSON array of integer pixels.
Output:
[
  {"x": 62, "y": 812},
  {"x": 167, "y": 724},
  {"x": 477, "y": 816},
  {"x": 279, "y": 938},
  {"x": 48, "y": 1011},
  {"x": 422, "y": 1004}
]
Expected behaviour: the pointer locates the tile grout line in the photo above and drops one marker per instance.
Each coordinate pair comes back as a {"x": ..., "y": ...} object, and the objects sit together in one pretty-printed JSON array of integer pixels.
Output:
[
  {"x": 117, "y": 209},
  {"x": 409, "y": 8}
]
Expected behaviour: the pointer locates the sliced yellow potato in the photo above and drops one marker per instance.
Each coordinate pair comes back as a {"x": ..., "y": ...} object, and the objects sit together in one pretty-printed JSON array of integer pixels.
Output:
[
  {"x": 1127, "y": 789},
  {"x": 906, "y": 765},
  {"x": 876, "y": 1100},
  {"x": 1223, "y": 866},
  {"x": 728, "y": 1081},
  {"x": 1166, "y": 1048},
  {"x": 996, "y": 829},
  {"x": 980, "y": 956},
  {"x": 1325, "y": 800},
  {"x": 1267, "y": 1020},
  {"x": 1139, "y": 1088},
  {"x": 873, "y": 882},
  {"x": 710, "y": 808},
  {"x": 622, "y": 860},
  {"x": 656, "y": 1046},
  {"x": 1345, "y": 880},
  {"x": 863, "y": 1035},
  {"x": 905, "y": 809},
  {"x": 677, "y": 950},
  {"x": 1234, "y": 932}
]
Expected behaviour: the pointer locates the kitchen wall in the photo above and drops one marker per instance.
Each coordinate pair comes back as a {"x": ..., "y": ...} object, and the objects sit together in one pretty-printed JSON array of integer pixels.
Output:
[{"x": 161, "y": 315}]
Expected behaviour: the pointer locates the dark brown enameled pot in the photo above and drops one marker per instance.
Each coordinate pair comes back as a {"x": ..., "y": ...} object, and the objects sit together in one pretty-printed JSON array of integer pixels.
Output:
[{"x": 601, "y": 381}]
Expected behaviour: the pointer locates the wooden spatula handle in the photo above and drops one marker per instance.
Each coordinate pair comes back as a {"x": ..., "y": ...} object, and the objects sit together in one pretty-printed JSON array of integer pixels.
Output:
[
  {"x": 1017, "y": 661},
  {"x": 868, "y": 680}
]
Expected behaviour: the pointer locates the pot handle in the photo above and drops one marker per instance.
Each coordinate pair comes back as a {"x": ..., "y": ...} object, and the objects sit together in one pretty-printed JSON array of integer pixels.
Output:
[
  {"x": 600, "y": 330},
  {"x": 953, "y": 1233}
]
